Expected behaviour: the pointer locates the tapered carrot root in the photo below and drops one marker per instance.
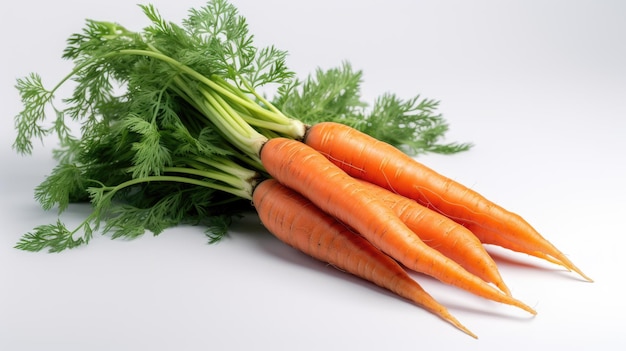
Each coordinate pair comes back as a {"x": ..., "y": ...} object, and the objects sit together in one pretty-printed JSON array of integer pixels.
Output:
[
  {"x": 300, "y": 224},
  {"x": 443, "y": 234},
  {"x": 487, "y": 236},
  {"x": 308, "y": 172},
  {"x": 369, "y": 159}
]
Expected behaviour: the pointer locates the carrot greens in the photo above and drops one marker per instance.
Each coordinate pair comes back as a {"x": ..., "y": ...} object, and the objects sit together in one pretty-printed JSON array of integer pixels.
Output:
[
  {"x": 202, "y": 186},
  {"x": 164, "y": 125},
  {"x": 334, "y": 95}
]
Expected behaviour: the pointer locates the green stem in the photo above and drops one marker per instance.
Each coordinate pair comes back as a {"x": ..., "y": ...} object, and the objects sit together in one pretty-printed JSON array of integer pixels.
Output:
[
  {"x": 250, "y": 144},
  {"x": 229, "y": 166},
  {"x": 213, "y": 106},
  {"x": 282, "y": 117},
  {"x": 289, "y": 130},
  {"x": 236, "y": 125},
  {"x": 239, "y": 97},
  {"x": 235, "y": 186},
  {"x": 242, "y": 193},
  {"x": 217, "y": 84},
  {"x": 260, "y": 116}
]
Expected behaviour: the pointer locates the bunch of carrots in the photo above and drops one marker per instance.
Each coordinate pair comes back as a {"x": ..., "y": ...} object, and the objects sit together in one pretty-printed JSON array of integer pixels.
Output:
[{"x": 192, "y": 122}]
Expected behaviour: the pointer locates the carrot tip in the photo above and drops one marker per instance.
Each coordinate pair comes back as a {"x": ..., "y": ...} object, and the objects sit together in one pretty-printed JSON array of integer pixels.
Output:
[
  {"x": 565, "y": 262},
  {"x": 528, "y": 309},
  {"x": 463, "y": 328},
  {"x": 445, "y": 315},
  {"x": 586, "y": 277},
  {"x": 517, "y": 303}
]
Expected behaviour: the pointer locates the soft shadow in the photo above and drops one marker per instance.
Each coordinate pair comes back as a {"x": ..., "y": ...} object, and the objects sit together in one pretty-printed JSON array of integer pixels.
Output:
[
  {"x": 251, "y": 228},
  {"x": 524, "y": 261},
  {"x": 451, "y": 296}
]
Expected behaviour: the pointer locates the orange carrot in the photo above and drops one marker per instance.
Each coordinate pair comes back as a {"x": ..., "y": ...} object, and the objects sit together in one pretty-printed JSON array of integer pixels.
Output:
[
  {"x": 366, "y": 158},
  {"x": 443, "y": 234},
  {"x": 300, "y": 224},
  {"x": 308, "y": 172}
]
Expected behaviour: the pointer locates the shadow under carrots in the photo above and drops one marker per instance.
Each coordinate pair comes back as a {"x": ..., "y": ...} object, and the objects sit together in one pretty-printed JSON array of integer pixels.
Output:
[
  {"x": 253, "y": 231},
  {"x": 507, "y": 258}
]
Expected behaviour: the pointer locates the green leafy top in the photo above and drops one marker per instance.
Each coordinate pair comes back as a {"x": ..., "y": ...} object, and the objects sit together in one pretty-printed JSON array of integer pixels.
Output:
[
  {"x": 170, "y": 123},
  {"x": 413, "y": 125}
]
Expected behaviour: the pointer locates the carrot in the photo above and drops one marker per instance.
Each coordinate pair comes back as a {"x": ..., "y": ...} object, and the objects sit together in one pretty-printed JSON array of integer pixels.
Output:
[
  {"x": 380, "y": 163},
  {"x": 443, "y": 234},
  {"x": 300, "y": 224},
  {"x": 308, "y": 172}
]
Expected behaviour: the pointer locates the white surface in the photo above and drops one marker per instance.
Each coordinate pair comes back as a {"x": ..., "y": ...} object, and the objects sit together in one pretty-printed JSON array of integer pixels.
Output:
[{"x": 538, "y": 86}]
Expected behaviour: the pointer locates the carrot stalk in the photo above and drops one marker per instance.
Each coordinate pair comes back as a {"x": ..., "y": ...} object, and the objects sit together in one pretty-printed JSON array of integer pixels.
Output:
[
  {"x": 302, "y": 225},
  {"x": 369, "y": 159},
  {"x": 443, "y": 234},
  {"x": 308, "y": 172}
]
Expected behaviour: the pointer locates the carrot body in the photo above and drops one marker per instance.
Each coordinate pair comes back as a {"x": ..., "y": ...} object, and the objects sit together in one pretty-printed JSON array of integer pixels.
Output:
[
  {"x": 302, "y": 225},
  {"x": 308, "y": 172},
  {"x": 443, "y": 234},
  {"x": 366, "y": 158}
]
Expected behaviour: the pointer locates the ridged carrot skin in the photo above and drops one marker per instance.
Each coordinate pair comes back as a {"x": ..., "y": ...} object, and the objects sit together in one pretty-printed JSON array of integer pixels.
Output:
[
  {"x": 377, "y": 162},
  {"x": 308, "y": 172},
  {"x": 443, "y": 234},
  {"x": 303, "y": 226}
]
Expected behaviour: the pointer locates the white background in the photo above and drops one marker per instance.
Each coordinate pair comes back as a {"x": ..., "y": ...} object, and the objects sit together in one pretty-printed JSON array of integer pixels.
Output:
[{"x": 539, "y": 88}]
